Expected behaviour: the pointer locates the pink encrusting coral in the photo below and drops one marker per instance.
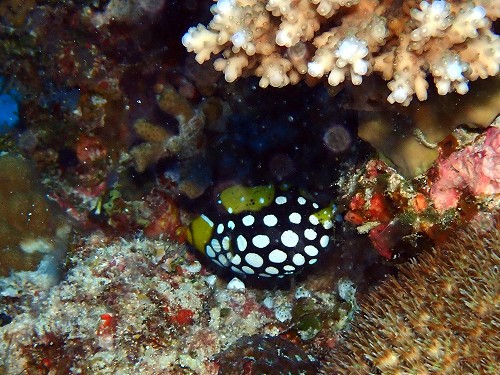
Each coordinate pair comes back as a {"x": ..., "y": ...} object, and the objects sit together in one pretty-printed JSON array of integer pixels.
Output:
[{"x": 474, "y": 169}]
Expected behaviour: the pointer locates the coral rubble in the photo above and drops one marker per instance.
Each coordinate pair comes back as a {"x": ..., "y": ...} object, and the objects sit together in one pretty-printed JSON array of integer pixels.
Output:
[
  {"x": 127, "y": 307},
  {"x": 440, "y": 314},
  {"x": 144, "y": 306},
  {"x": 284, "y": 41}
]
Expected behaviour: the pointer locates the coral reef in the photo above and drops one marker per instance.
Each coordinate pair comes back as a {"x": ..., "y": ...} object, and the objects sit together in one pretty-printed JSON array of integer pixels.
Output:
[
  {"x": 135, "y": 306},
  {"x": 439, "y": 314},
  {"x": 89, "y": 92},
  {"x": 395, "y": 212},
  {"x": 406, "y": 44},
  {"x": 149, "y": 307},
  {"x": 133, "y": 138},
  {"x": 284, "y": 41}
]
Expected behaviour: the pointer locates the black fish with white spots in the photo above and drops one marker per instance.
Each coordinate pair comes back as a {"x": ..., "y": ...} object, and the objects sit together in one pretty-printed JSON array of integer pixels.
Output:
[{"x": 264, "y": 231}]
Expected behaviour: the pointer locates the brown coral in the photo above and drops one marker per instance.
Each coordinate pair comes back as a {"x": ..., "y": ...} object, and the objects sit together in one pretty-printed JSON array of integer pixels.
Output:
[
  {"x": 261, "y": 354},
  {"x": 16, "y": 11},
  {"x": 409, "y": 137},
  {"x": 159, "y": 142},
  {"x": 28, "y": 223},
  {"x": 439, "y": 315}
]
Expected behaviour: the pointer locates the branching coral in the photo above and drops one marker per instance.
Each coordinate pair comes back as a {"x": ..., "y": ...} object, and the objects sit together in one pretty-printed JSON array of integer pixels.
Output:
[
  {"x": 285, "y": 41},
  {"x": 159, "y": 142}
]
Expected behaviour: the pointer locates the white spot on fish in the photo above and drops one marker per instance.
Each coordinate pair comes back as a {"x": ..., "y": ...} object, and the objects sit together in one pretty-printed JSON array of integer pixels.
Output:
[
  {"x": 280, "y": 200},
  {"x": 247, "y": 270},
  {"x": 226, "y": 243},
  {"x": 311, "y": 250},
  {"x": 272, "y": 270},
  {"x": 277, "y": 256},
  {"x": 298, "y": 259},
  {"x": 313, "y": 220},
  {"x": 255, "y": 260},
  {"x": 248, "y": 220},
  {"x": 261, "y": 241},
  {"x": 289, "y": 238},
  {"x": 241, "y": 242},
  {"x": 216, "y": 245},
  {"x": 270, "y": 220},
  {"x": 310, "y": 234},
  {"x": 208, "y": 221},
  {"x": 209, "y": 251},
  {"x": 222, "y": 258},
  {"x": 295, "y": 218},
  {"x": 220, "y": 228},
  {"x": 327, "y": 224},
  {"x": 236, "y": 260},
  {"x": 324, "y": 241}
]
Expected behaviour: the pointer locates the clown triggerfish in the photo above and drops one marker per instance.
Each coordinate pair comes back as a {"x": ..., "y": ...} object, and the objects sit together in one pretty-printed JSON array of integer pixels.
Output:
[{"x": 263, "y": 231}]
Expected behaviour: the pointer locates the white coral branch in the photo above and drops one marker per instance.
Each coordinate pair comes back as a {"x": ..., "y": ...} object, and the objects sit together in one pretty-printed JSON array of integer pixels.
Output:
[{"x": 282, "y": 41}]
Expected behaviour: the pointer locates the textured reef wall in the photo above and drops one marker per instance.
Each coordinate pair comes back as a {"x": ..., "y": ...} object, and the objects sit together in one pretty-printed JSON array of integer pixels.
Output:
[
  {"x": 320, "y": 195},
  {"x": 146, "y": 307}
]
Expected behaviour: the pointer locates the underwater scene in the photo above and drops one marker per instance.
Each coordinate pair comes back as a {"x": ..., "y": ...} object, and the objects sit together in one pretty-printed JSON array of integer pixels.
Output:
[{"x": 246, "y": 187}]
